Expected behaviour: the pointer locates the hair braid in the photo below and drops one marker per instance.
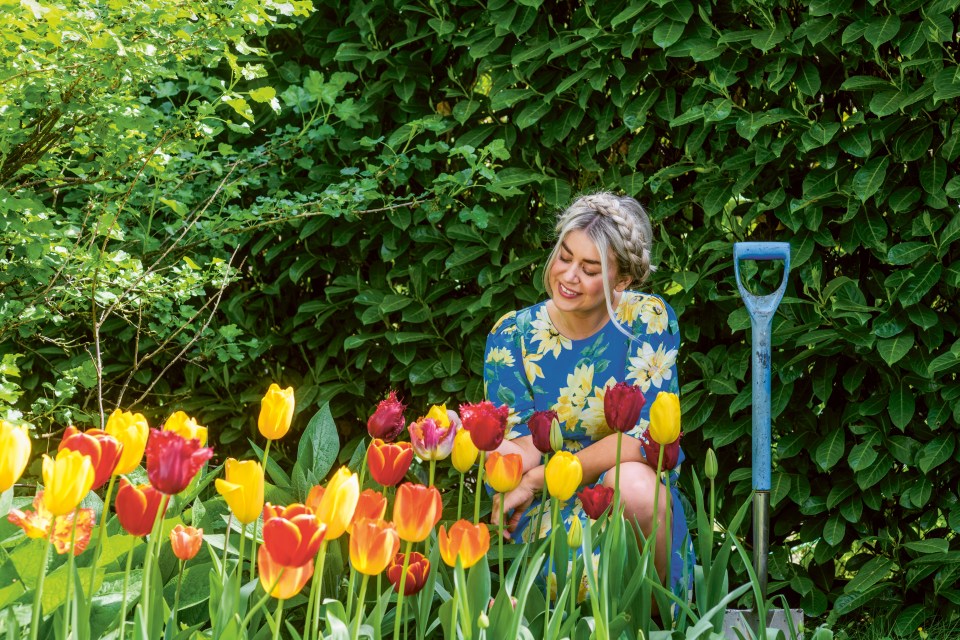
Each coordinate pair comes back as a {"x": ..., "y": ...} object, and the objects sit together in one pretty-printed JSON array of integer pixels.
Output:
[{"x": 636, "y": 261}]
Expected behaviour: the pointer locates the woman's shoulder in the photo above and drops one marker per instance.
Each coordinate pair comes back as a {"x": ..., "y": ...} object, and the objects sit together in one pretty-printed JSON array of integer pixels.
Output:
[
  {"x": 509, "y": 322},
  {"x": 647, "y": 313}
]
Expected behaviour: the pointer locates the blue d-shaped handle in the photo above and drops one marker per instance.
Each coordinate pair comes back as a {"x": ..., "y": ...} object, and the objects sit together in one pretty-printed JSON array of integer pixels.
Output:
[{"x": 761, "y": 310}]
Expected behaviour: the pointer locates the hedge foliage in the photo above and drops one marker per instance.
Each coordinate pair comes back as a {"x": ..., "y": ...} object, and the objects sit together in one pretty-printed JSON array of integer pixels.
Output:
[{"x": 395, "y": 192}]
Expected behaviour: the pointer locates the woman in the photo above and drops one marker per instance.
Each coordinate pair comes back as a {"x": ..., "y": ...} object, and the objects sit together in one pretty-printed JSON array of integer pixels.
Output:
[{"x": 563, "y": 353}]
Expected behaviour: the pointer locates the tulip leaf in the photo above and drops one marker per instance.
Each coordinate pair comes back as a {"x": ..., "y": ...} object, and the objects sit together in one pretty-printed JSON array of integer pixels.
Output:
[
  {"x": 319, "y": 446},
  {"x": 831, "y": 449}
]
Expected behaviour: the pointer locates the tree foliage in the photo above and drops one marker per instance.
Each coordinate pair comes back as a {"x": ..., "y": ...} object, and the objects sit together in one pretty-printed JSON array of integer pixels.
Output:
[{"x": 387, "y": 173}]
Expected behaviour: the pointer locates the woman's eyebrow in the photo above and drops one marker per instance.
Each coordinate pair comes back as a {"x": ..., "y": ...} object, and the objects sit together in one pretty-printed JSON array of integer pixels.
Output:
[{"x": 563, "y": 245}]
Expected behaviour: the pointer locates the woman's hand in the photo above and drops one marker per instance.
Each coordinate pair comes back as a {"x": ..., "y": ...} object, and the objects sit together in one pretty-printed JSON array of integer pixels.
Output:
[{"x": 516, "y": 502}]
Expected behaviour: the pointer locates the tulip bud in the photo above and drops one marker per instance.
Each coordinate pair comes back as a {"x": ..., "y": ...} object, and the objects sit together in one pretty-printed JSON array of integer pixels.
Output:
[
  {"x": 483, "y": 621},
  {"x": 710, "y": 466},
  {"x": 575, "y": 534},
  {"x": 556, "y": 435}
]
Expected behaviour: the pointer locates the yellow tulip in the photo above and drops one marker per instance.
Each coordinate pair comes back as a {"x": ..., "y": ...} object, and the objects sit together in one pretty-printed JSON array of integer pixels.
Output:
[
  {"x": 276, "y": 412},
  {"x": 243, "y": 489},
  {"x": 563, "y": 475},
  {"x": 335, "y": 509},
  {"x": 67, "y": 480},
  {"x": 186, "y": 427},
  {"x": 132, "y": 431},
  {"x": 439, "y": 413},
  {"x": 665, "y": 418},
  {"x": 14, "y": 453},
  {"x": 464, "y": 451}
]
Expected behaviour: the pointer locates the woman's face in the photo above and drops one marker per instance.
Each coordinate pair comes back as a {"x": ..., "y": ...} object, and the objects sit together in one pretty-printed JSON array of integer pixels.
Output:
[{"x": 576, "y": 278}]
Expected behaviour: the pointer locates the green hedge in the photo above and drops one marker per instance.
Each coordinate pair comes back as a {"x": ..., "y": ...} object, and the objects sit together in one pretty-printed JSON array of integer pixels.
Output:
[{"x": 403, "y": 198}]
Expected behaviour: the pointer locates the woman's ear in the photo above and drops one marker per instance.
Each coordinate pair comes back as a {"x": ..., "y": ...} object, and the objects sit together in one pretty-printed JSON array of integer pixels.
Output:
[{"x": 623, "y": 284}]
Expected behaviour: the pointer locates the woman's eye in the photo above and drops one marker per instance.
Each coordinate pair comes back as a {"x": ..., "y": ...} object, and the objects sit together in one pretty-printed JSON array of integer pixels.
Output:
[
  {"x": 562, "y": 259},
  {"x": 589, "y": 273}
]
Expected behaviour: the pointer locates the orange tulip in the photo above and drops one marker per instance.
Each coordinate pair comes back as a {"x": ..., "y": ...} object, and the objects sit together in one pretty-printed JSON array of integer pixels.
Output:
[
  {"x": 373, "y": 544},
  {"x": 388, "y": 462},
  {"x": 416, "y": 511},
  {"x": 504, "y": 472},
  {"x": 467, "y": 541},
  {"x": 102, "y": 449},
  {"x": 186, "y": 541},
  {"x": 40, "y": 523},
  {"x": 371, "y": 504},
  {"x": 292, "y": 534},
  {"x": 283, "y": 582}
]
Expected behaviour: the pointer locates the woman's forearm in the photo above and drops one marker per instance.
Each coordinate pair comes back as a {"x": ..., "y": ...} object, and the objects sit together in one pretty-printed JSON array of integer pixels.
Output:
[{"x": 601, "y": 456}]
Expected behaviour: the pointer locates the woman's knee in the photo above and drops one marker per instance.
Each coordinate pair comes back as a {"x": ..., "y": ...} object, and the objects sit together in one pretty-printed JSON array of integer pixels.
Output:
[{"x": 637, "y": 485}]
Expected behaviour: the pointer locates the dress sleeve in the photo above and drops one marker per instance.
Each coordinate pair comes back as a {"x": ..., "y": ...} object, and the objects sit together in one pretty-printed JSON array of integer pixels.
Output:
[
  {"x": 504, "y": 376},
  {"x": 653, "y": 355}
]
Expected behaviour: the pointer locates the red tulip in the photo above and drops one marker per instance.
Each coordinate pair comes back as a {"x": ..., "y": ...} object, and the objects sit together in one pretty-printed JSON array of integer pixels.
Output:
[
  {"x": 539, "y": 424},
  {"x": 387, "y": 421},
  {"x": 651, "y": 449},
  {"x": 388, "y": 462},
  {"x": 621, "y": 406},
  {"x": 102, "y": 449},
  {"x": 486, "y": 423},
  {"x": 595, "y": 500},
  {"x": 418, "y": 570},
  {"x": 137, "y": 507},
  {"x": 292, "y": 534},
  {"x": 173, "y": 461}
]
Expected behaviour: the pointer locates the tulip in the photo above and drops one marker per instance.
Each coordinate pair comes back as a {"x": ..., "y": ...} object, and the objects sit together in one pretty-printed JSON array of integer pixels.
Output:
[
  {"x": 173, "y": 461},
  {"x": 430, "y": 439},
  {"x": 622, "y": 404},
  {"x": 665, "y": 418},
  {"x": 418, "y": 570},
  {"x": 556, "y": 436},
  {"x": 14, "y": 453},
  {"x": 67, "y": 480},
  {"x": 371, "y": 504},
  {"x": 40, "y": 523},
  {"x": 243, "y": 489},
  {"x": 710, "y": 467},
  {"x": 337, "y": 503},
  {"x": 282, "y": 582},
  {"x": 465, "y": 453},
  {"x": 276, "y": 412},
  {"x": 595, "y": 500},
  {"x": 387, "y": 421},
  {"x": 504, "y": 472},
  {"x": 137, "y": 507},
  {"x": 651, "y": 450},
  {"x": 373, "y": 545},
  {"x": 102, "y": 449},
  {"x": 186, "y": 541},
  {"x": 563, "y": 475},
  {"x": 132, "y": 431},
  {"x": 37, "y": 523},
  {"x": 388, "y": 462},
  {"x": 182, "y": 424},
  {"x": 575, "y": 533},
  {"x": 540, "y": 423},
  {"x": 292, "y": 534},
  {"x": 486, "y": 423},
  {"x": 467, "y": 541},
  {"x": 416, "y": 511}
]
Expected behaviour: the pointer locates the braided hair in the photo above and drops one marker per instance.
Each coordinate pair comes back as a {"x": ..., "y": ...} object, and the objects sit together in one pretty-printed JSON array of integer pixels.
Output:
[{"x": 616, "y": 224}]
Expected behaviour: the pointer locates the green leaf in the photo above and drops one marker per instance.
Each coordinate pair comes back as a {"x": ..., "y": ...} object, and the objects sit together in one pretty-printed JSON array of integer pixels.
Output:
[
  {"x": 531, "y": 113},
  {"x": 667, "y": 33},
  {"x": 925, "y": 277},
  {"x": 807, "y": 79},
  {"x": 830, "y": 451},
  {"x": 886, "y": 103},
  {"x": 861, "y": 456},
  {"x": 901, "y": 404},
  {"x": 909, "y": 620},
  {"x": 869, "y": 177},
  {"x": 263, "y": 94},
  {"x": 933, "y": 174},
  {"x": 319, "y": 444},
  {"x": 767, "y": 39},
  {"x": 908, "y": 252},
  {"x": 834, "y": 530},
  {"x": 870, "y": 574},
  {"x": 882, "y": 29},
  {"x": 936, "y": 452},
  {"x": 893, "y": 349},
  {"x": 930, "y": 545}
]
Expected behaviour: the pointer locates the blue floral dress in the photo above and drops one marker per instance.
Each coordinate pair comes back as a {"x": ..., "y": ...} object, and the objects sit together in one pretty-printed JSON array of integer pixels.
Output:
[{"x": 530, "y": 366}]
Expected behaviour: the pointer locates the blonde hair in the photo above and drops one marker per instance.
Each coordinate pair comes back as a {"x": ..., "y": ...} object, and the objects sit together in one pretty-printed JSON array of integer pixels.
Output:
[{"x": 614, "y": 223}]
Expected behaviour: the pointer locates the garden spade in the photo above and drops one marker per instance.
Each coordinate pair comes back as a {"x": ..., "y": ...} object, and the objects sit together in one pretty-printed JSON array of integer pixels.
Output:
[{"x": 761, "y": 310}]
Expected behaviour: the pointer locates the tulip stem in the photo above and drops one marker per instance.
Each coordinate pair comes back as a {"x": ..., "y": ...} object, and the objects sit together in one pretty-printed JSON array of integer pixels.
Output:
[
  {"x": 316, "y": 588},
  {"x": 243, "y": 541},
  {"x": 276, "y": 626},
  {"x": 226, "y": 544},
  {"x": 460, "y": 497},
  {"x": 126, "y": 582},
  {"x": 668, "y": 532},
  {"x": 616, "y": 482},
  {"x": 656, "y": 503},
  {"x": 541, "y": 506},
  {"x": 500, "y": 542},
  {"x": 262, "y": 601},
  {"x": 176, "y": 596},
  {"x": 148, "y": 557},
  {"x": 403, "y": 586},
  {"x": 461, "y": 587},
  {"x": 554, "y": 508},
  {"x": 253, "y": 555},
  {"x": 363, "y": 595},
  {"x": 350, "y": 584},
  {"x": 35, "y": 620},
  {"x": 70, "y": 564},
  {"x": 476, "y": 507},
  {"x": 101, "y": 532}
]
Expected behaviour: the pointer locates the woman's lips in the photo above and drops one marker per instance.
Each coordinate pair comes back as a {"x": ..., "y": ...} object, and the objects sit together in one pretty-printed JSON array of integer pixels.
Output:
[{"x": 565, "y": 292}]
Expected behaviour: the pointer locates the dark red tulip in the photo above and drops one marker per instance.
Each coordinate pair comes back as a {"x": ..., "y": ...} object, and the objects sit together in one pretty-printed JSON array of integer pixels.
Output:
[
  {"x": 539, "y": 424},
  {"x": 651, "y": 449},
  {"x": 387, "y": 421},
  {"x": 418, "y": 570},
  {"x": 621, "y": 406},
  {"x": 173, "y": 461},
  {"x": 486, "y": 423},
  {"x": 595, "y": 500}
]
